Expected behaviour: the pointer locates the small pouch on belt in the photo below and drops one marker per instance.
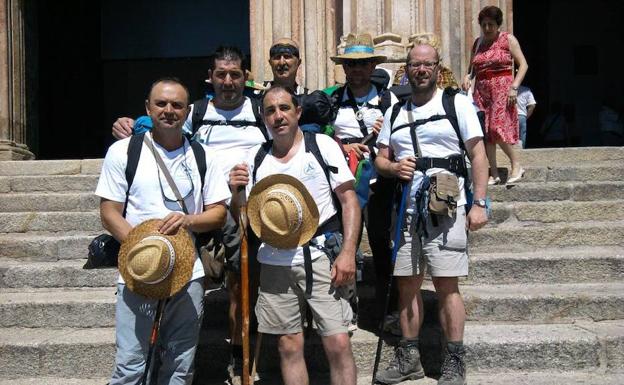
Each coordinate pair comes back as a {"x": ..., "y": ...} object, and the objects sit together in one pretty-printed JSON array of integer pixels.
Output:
[{"x": 443, "y": 194}]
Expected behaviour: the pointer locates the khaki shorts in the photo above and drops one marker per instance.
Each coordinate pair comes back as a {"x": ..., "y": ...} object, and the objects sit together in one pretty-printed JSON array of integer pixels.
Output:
[
  {"x": 280, "y": 308},
  {"x": 443, "y": 252}
]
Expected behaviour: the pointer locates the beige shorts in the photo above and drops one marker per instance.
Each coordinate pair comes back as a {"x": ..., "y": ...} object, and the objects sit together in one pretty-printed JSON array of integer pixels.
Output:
[
  {"x": 280, "y": 308},
  {"x": 444, "y": 251}
]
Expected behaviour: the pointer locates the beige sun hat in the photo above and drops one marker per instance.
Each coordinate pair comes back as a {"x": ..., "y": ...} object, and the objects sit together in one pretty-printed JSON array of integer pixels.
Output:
[
  {"x": 282, "y": 212},
  {"x": 155, "y": 265},
  {"x": 358, "y": 47}
]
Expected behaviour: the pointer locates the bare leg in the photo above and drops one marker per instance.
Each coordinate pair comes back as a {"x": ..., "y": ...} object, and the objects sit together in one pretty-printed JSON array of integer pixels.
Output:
[
  {"x": 292, "y": 362},
  {"x": 452, "y": 311},
  {"x": 490, "y": 149},
  {"x": 513, "y": 158},
  {"x": 234, "y": 311},
  {"x": 340, "y": 357},
  {"x": 410, "y": 305}
]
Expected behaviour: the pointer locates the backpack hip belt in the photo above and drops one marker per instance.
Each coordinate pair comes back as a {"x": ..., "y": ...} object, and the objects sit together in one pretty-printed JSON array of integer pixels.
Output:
[{"x": 454, "y": 164}]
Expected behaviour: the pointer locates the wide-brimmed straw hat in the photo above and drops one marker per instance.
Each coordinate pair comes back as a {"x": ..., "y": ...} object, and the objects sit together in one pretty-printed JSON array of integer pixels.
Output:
[
  {"x": 358, "y": 47},
  {"x": 282, "y": 212},
  {"x": 156, "y": 265}
]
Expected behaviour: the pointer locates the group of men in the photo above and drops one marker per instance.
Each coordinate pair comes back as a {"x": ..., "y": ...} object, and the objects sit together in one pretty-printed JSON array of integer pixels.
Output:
[{"x": 302, "y": 274}]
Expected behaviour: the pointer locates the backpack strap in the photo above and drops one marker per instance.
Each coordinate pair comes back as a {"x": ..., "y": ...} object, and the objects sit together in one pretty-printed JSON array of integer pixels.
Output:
[
  {"x": 199, "y": 110},
  {"x": 395, "y": 112},
  {"x": 255, "y": 106},
  {"x": 309, "y": 139},
  {"x": 200, "y": 159},
  {"x": 448, "y": 102},
  {"x": 259, "y": 158},
  {"x": 385, "y": 99},
  {"x": 134, "y": 153}
]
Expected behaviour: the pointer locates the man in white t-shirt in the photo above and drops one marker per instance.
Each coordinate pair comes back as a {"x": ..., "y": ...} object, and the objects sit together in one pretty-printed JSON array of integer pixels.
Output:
[
  {"x": 284, "y": 59},
  {"x": 283, "y": 274},
  {"x": 151, "y": 197},
  {"x": 443, "y": 246},
  {"x": 526, "y": 104},
  {"x": 229, "y": 126},
  {"x": 360, "y": 105}
]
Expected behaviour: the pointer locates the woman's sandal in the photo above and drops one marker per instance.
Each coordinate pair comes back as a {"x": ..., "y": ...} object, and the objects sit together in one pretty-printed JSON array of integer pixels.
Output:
[{"x": 516, "y": 178}]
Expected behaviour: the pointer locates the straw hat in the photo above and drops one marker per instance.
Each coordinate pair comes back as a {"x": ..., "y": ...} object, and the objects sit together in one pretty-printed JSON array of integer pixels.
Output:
[
  {"x": 358, "y": 47},
  {"x": 156, "y": 265},
  {"x": 282, "y": 212}
]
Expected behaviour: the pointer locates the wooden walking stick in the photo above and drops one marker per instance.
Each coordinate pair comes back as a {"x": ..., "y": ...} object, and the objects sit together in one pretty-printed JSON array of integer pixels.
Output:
[{"x": 244, "y": 262}]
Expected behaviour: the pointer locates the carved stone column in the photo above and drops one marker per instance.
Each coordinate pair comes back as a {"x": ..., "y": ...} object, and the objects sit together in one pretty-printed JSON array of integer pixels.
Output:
[
  {"x": 392, "y": 22},
  {"x": 12, "y": 83},
  {"x": 312, "y": 23}
]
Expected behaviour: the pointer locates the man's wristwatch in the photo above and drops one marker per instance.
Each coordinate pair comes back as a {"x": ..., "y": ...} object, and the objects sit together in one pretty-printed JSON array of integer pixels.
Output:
[{"x": 479, "y": 202}]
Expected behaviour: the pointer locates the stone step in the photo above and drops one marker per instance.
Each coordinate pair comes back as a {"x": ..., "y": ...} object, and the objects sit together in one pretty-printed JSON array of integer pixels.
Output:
[
  {"x": 518, "y": 236},
  {"x": 66, "y": 352},
  {"x": 528, "y": 236},
  {"x": 562, "y": 211},
  {"x": 526, "y": 191},
  {"x": 596, "y": 377},
  {"x": 94, "y": 307},
  {"x": 553, "y": 265},
  {"x": 47, "y": 247},
  {"x": 48, "y": 183},
  {"x": 63, "y": 273},
  {"x": 51, "y": 221},
  {"x": 564, "y": 156},
  {"x": 51, "y": 167},
  {"x": 598, "y": 171},
  {"x": 28, "y": 202}
]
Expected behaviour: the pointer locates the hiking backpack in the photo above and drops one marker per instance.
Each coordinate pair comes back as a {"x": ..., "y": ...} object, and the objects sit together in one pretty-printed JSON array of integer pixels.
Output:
[{"x": 201, "y": 106}]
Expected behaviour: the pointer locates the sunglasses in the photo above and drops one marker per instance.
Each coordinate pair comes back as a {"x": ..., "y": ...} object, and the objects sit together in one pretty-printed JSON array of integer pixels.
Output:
[{"x": 350, "y": 63}]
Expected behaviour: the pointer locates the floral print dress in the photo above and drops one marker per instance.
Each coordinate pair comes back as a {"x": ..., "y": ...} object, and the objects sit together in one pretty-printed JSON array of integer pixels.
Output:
[{"x": 493, "y": 73}]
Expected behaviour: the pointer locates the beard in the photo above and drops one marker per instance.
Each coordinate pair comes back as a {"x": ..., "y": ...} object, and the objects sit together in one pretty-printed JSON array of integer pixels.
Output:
[{"x": 424, "y": 86}]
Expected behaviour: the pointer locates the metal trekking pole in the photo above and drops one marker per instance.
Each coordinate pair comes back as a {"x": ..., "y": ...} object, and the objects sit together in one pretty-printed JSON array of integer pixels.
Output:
[
  {"x": 160, "y": 307},
  {"x": 395, "y": 250},
  {"x": 244, "y": 261}
]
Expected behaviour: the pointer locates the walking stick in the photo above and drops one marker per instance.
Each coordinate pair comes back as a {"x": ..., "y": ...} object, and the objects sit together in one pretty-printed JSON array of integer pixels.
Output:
[
  {"x": 244, "y": 261},
  {"x": 160, "y": 307},
  {"x": 395, "y": 250}
]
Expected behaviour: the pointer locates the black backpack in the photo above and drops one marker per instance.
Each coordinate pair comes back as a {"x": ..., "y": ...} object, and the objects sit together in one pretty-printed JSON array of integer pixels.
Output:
[
  {"x": 331, "y": 225},
  {"x": 455, "y": 163},
  {"x": 199, "y": 110},
  {"x": 103, "y": 249},
  {"x": 385, "y": 100}
]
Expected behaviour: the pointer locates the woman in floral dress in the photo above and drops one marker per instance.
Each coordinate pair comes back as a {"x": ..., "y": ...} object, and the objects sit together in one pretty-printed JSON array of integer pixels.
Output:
[{"x": 496, "y": 88}]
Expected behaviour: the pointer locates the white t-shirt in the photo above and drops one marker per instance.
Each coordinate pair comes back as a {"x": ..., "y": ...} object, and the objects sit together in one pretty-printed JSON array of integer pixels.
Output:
[
  {"x": 229, "y": 144},
  {"x": 437, "y": 139},
  {"x": 306, "y": 169},
  {"x": 346, "y": 125},
  {"x": 525, "y": 98},
  {"x": 146, "y": 200}
]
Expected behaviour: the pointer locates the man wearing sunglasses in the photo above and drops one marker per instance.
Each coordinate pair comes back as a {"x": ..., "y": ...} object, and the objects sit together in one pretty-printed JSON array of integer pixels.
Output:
[
  {"x": 285, "y": 60},
  {"x": 360, "y": 106},
  {"x": 150, "y": 196}
]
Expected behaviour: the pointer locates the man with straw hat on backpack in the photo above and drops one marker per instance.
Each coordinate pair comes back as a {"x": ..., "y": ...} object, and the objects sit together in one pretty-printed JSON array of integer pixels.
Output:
[
  {"x": 152, "y": 216},
  {"x": 293, "y": 210}
]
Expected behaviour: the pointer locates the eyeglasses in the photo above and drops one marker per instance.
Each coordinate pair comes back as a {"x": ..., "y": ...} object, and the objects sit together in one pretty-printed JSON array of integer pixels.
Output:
[
  {"x": 188, "y": 175},
  {"x": 350, "y": 63},
  {"x": 427, "y": 64}
]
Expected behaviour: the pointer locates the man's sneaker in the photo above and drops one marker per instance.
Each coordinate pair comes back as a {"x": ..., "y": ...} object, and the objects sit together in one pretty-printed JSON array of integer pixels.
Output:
[
  {"x": 405, "y": 366},
  {"x": 235, "y": 371},
  {"x": 453, "y": 367}
]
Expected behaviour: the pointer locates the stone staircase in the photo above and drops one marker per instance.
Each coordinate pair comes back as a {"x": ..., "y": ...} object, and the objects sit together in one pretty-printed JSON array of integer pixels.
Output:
[{"x": 545, "y": 295}]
